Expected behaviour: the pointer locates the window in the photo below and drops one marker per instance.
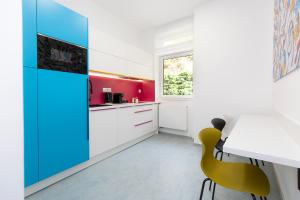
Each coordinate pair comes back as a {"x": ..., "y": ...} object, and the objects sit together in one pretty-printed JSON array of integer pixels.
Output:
[{"x": 177, "y": 75}]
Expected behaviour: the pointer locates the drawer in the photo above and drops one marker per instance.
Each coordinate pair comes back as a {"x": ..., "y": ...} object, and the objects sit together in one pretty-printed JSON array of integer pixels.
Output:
[
  {"x": 143, "y": 128},
  {"x": 143, "y": 114}
]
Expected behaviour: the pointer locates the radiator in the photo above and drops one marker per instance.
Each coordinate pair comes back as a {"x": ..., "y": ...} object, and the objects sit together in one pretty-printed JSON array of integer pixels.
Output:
[{"x": 173, "y": 116}]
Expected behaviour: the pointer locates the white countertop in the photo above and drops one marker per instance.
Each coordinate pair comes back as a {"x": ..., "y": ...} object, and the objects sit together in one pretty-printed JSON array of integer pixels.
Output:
[
  {"x": 263, "y": 137},
  {"x": 122, "y": 105}
]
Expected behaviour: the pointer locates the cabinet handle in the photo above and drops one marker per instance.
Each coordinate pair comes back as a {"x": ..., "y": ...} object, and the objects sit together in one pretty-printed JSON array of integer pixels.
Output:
[
  {"x": 136, "y": 125},
  {"x": 140, "y": 111},
  {"x": 126, "y": 107},
  {"x": 87, "y": 110},
  {"x": 103, "y": 109}
]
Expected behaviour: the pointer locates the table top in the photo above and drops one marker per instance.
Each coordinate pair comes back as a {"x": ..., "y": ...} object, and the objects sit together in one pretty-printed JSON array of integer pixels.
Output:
[{"x": 263, "y": 137}]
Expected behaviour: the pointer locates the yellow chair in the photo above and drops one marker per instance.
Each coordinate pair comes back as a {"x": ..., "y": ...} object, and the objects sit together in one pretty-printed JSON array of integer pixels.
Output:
[{"x": 237, "y": 176}]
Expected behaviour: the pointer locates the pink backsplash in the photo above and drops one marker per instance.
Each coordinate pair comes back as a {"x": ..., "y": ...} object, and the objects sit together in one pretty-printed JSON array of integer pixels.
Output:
[{"x": 130, "y": 89}]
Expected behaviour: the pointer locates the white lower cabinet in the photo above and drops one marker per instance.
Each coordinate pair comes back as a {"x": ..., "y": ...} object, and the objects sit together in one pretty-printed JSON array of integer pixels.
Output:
[
  {"x": 113, "y": 127},
  {"x": 103, "y": 131},
  {"x": 145, "y": 119},
  {"x": 125, "y": 125}
]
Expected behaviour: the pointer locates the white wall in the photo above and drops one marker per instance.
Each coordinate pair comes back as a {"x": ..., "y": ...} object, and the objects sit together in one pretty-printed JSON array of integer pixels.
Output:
[
  {"x": 169, "y": 33},
  {"x": 11, "y": 102},
  {"x": 233, "y": 60},
  {"x": 286, "y": 98}
]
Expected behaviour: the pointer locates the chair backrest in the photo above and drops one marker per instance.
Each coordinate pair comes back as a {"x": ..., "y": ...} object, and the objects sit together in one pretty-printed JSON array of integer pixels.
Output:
[
  {"x": 218, "y": 123},
  {"x": 209, "y": 138}
]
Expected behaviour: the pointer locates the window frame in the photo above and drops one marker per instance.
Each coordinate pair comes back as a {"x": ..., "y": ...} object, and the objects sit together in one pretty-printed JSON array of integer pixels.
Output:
[{"x": 161, "y": 75}]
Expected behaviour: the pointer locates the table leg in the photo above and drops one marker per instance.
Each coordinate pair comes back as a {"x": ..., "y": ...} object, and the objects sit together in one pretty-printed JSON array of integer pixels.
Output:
[{"x": 298, "y": 178}]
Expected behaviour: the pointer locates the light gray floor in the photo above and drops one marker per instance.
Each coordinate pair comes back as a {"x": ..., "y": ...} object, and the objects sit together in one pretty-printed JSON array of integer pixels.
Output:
[{"x": 163, "y": 167}]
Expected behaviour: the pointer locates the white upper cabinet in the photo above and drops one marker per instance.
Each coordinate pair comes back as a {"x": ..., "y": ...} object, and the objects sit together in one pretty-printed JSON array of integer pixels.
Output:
[{"x": 113, "y": 55}]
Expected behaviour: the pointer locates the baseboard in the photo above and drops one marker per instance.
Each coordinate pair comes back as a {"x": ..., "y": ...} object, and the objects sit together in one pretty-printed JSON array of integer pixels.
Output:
[
  {"x": 58, "y": 177},
  {"x": 173, "y": 131}
]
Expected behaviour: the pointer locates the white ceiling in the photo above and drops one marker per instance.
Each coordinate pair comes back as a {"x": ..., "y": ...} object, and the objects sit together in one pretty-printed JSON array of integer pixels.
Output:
[{"x": 146, "y": 14}]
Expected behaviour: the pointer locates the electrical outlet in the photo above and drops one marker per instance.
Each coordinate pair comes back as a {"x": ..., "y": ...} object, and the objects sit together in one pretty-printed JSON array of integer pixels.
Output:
[{"x": 106, "y": 90}]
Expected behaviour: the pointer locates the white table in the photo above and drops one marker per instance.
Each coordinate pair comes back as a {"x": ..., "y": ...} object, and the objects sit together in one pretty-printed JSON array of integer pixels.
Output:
[{"x": 262, "y": 137}]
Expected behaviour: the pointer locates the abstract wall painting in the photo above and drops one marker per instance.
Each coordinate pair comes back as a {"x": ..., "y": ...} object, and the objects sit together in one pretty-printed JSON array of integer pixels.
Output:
[{"x": 286, "y": 37}]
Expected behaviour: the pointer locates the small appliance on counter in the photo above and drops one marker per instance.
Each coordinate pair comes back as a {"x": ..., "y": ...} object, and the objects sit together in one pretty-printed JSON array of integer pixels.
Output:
[
  {"x": 118, "y": 98},
  {"x": 135, "y": 100},
  {"x": 108, "y": 97}
]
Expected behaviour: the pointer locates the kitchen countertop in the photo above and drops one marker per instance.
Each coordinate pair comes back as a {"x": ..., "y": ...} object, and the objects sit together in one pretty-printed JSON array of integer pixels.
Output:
[{"x": 122, "y": 105}]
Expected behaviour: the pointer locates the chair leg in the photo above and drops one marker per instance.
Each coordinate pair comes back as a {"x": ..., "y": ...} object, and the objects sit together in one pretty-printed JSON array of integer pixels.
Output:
[
  {"x": 216, "y": 155},
  {"x": 260, "y": 198},
  {"x": 253, "y": 197},
  {"x": 221, "y": 156},
  {"x": 263, "y": 163},
  {"x": 210, "y": 185},
  {"x": 202, "y": 189},
  {"x": 213, "y": 194},
  {"x": 225, "y": 141},
  {"x": 256, "y": 163},
  {"x": 265, "y": 198},
  {"x": 251, "y": 161}
]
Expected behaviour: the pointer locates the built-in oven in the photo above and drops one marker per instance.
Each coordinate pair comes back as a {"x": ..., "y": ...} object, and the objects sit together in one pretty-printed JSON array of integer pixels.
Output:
[{"x": 58, "y": 55}]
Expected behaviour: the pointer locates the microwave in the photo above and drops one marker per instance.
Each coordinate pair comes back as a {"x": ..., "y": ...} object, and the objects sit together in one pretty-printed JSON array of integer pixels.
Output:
[{"x": 58, "y": 55}]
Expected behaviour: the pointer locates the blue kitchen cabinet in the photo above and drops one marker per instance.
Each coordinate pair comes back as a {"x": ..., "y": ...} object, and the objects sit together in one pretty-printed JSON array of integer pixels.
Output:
[
  {"x": 30, "y": 126},
  {"x": 29, "y": 33},
  {"x": 57, "y": 21},
  {"x": 62, "y": 122}
]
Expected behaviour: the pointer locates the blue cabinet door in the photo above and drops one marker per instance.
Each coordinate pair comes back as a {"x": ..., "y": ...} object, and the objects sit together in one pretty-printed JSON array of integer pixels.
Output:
[
  {"x": 29, "y": 33},
  {"x": 30, "y": 126},
  {"x": 59, "y": 22},
  {"x": 63, "y": 121}
]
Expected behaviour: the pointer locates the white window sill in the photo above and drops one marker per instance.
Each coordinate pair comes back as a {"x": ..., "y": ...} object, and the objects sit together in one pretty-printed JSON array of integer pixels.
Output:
[{"x": 176, "y": 98}]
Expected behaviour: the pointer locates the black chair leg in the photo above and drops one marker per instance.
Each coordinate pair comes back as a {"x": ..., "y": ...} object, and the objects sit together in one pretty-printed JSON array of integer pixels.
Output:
[
  {"x": 221, "y": 156},
  {"x": 225, "y": 141},
  {"x": 210, "y": 185},
  {"x": 253, "y": 197},
  {"x": 251, "y": 161},
  {"x": 265, "y": 198},
  {"x": 202, "y": 189},
  {"x": 216, "y": 155},
  {"x": 260, "y": 198},
  {"x": 213, "y": 194},
  {"x": 263, "y": 163},
  {"x": 256, "y": 163}
]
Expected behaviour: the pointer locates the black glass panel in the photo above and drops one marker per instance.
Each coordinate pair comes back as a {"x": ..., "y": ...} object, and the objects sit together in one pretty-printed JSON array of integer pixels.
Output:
[{"x": 60, "y": 56}]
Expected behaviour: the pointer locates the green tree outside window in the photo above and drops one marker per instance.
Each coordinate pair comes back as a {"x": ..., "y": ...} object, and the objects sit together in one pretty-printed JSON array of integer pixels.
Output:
[{"x": 178, "y": 76}]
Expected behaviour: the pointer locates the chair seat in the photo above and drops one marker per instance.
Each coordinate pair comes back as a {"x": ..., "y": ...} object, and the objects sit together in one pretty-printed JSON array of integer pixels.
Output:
[{"x": 241, "y": 177}]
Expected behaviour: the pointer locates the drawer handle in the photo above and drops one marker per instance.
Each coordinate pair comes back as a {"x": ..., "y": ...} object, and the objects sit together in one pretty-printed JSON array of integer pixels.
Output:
[
  {"x": 126, "y": 107},
  {"x": 140, "y": 111},
  {"x": 143, "y": 123},
  {"x": 103, "y": 109}
]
